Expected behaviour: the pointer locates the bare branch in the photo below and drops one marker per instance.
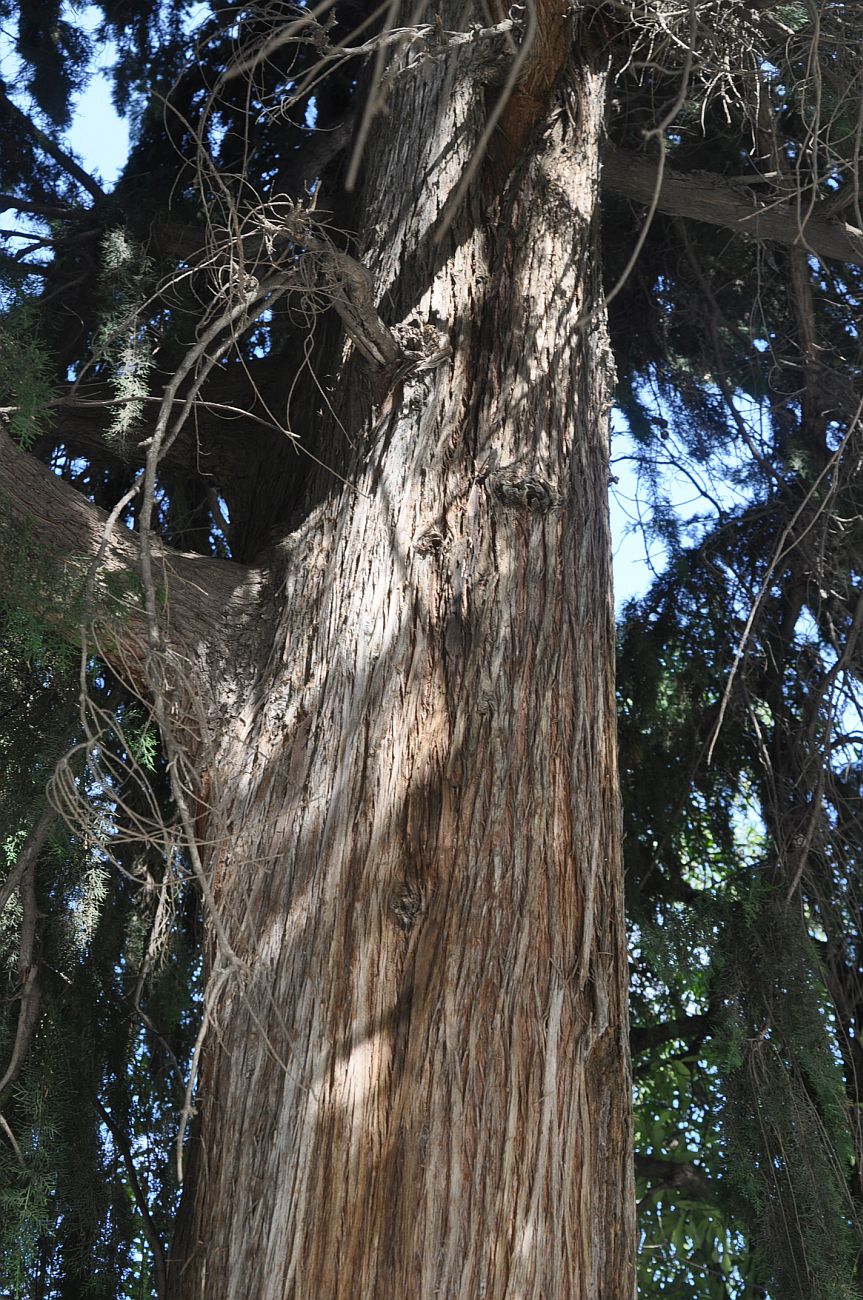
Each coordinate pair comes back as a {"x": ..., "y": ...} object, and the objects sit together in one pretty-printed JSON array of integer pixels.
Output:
[
  {"x": 29, "y": 852},
  {"x": 429, "y": 40},
  {"x": 16, "y": 204},
  {"x": 11, "y": 1136}
]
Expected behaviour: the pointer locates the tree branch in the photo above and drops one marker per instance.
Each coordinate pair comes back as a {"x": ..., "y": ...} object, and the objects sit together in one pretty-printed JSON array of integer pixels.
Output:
[
  {"x": 207, "y": 596},
  {"x": 680, "y": 1177},
  {"x": 54, "y": 151},
  {"x": 703, "y": 196},
  {"x": 690, "y": 1181},
  {"x": 150, "y": 1229},
  {"x": 223, "y": 444},
  {"x": 23, "y": 877},
  {"x": 644, "y": 1037},
  {"x": 431, "y": 39},
  {"x": 30, "y": 851},
  {"x": 11, "y": 202}
]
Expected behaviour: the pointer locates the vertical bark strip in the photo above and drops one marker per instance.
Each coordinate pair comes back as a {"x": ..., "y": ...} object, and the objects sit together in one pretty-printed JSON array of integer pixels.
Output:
[{"x": 423, "y": 1088}]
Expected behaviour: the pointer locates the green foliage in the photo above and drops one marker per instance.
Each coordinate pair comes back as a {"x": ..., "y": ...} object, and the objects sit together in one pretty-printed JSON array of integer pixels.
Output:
[
  {"x": 114, "y": 1024},
  {"x": 54, "y": 52},
  {"x": 747, "y": 1101},
  {"x": 740, "y": 746},
  {"x": 116, "y": 994},
  {"x": 123, "y": 338},
  {"x": 142, "y": 738},
  {"x": 25, "y": 372},
  {"x": 789, "y": 1147}
]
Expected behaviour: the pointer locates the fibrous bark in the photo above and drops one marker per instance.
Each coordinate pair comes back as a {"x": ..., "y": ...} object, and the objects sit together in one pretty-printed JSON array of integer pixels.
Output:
[{"x": 422, "y": 1089}]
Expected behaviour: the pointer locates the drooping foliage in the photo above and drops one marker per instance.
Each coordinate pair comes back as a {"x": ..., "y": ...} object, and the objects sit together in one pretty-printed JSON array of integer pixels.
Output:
[
  {"x": 740, "y": 723},
  {"x": 740, "y": 733}
]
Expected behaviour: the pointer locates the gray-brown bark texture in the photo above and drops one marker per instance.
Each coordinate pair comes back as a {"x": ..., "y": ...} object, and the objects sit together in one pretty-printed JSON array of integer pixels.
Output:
[
  {"x": 420, "y": 1087},
  {"x": 423, "y": 1089}
]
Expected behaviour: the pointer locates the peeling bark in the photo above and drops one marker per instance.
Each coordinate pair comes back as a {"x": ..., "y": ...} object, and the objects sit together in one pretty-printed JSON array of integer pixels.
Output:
[{"x": 422, "y": 1088}]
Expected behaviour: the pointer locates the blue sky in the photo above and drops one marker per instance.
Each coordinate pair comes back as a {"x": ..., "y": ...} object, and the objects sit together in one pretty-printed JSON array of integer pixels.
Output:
[{"x": 98, "y": 135}]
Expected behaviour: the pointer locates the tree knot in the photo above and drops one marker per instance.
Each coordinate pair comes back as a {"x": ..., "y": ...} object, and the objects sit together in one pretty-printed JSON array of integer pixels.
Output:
[{"x": 519, "y": 491}]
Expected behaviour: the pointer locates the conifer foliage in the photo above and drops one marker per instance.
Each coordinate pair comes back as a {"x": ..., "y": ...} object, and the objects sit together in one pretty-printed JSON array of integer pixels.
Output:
[{"x": 225, "y": 269}]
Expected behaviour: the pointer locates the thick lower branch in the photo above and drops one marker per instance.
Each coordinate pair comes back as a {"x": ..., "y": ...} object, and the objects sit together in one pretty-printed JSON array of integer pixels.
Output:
[
  {"x": 708, "y": 198},
  {"x": 66, "y": 535},
  {"x": 65, "y": 160},
  {"x": 223, "y": 443}
]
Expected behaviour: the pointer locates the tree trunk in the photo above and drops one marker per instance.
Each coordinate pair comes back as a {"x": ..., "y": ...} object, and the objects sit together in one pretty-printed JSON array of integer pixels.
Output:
[
  {"x": 416, "y": 1080},
  {"x": 419, "y": 1084}
]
